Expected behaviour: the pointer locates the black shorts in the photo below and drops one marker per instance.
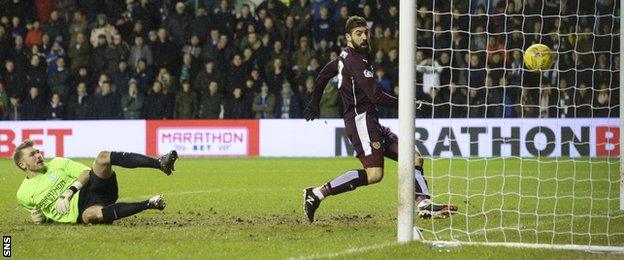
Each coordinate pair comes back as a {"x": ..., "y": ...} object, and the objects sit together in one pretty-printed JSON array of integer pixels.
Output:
[{"x": 97, "y": 192}]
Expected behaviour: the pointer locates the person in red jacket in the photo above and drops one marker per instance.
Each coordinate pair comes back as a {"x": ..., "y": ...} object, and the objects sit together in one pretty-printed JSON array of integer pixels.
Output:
[{"x": 34, "y": 36}]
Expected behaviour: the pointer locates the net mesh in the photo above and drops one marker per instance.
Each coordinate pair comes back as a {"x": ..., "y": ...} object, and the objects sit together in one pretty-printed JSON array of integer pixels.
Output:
[{"x": 540, "y": 165}]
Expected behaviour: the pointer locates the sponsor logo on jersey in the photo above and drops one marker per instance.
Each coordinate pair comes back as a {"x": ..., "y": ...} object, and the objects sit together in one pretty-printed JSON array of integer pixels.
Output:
[
  {"x": 53, "y": 194},
  {"x": 376, "y": 145}
]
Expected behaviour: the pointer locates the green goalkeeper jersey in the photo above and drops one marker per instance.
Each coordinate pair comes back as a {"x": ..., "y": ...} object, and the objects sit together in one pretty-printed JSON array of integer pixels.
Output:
[{"x": 42, "y": 192}]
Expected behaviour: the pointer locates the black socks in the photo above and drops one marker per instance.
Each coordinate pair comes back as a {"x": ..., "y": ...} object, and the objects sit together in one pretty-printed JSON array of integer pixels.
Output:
[
  {"x": 117, "y": 211},
  {"x": 133, "y": 160}
]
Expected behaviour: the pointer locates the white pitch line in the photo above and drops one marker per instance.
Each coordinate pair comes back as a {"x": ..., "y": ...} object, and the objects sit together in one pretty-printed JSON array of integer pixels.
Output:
[{"x": 347, "y": 251}]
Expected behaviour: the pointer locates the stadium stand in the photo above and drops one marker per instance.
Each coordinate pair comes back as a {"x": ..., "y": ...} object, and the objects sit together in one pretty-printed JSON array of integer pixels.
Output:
[{"x": 135, "y": 56}]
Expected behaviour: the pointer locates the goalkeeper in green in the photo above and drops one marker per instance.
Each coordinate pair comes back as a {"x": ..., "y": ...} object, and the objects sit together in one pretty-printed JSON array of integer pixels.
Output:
[{"x": 66, "y": 191}]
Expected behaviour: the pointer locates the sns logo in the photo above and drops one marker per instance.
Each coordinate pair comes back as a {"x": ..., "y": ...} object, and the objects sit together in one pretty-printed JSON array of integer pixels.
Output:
[{"x": 6, "y": 246}]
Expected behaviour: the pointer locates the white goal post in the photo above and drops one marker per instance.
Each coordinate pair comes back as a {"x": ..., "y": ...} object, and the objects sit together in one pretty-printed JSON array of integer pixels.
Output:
[
  {"x": 407, "y": 77},
  {"x": 621, "y": 111}
]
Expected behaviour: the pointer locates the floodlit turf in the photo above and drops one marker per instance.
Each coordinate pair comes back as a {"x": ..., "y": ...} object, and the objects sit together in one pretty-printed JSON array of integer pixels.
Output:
[{"x": 251, "y": 208}]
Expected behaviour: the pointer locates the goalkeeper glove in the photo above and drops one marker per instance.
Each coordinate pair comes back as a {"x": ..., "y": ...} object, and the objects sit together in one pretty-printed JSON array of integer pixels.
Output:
[
  {"x": 63, "y": 204},
  {"x": 311, "y": 111},
  {"x": 37, "y": 217}
]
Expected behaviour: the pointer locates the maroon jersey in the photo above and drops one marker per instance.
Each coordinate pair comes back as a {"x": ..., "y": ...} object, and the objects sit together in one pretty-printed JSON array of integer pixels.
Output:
[
  {"x": 360, "y": 95},
  {"x": 356, "y": 83}
]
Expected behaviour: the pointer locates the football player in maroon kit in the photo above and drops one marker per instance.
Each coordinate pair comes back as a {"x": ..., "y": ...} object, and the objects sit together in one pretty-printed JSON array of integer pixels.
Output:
[{"x": 372, "y": 141}]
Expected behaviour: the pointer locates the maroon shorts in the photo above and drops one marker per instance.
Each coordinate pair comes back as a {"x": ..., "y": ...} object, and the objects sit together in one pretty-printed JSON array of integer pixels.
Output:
[{"x": 371, "y": 140}]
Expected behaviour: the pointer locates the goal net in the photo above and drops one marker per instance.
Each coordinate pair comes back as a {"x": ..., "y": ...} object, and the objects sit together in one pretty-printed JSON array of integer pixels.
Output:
[{"x": 531, "y": 158}]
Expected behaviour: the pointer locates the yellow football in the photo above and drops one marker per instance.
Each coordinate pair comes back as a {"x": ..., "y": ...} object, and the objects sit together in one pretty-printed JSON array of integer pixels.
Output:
[{"x": 538, "y": 57}]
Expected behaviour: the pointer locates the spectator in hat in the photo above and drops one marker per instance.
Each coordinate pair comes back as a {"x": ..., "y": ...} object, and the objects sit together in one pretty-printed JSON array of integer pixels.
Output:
[{"x": 102, "y": 27}]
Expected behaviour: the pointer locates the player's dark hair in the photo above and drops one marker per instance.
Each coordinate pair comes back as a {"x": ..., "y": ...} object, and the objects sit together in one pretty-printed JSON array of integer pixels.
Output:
[
  {"x": 17, "y": 156},
  {"x": 354, "y": 22}
]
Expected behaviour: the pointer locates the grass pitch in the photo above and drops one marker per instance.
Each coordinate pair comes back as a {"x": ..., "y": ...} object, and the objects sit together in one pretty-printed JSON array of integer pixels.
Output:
[{"x": 252, "y": 208}]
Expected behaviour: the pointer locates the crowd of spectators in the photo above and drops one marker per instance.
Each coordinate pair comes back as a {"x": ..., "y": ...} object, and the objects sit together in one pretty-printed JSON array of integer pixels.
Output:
[
  {"x": 471, "y": 60},
  {"x": 237, "y": 59}
]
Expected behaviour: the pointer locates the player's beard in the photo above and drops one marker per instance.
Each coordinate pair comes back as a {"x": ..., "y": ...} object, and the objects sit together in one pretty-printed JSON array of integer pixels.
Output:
[{"x": 363, "y": 48}]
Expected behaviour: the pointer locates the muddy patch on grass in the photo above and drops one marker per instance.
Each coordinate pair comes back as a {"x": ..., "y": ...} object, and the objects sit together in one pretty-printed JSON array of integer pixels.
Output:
[{"x": 211, "y": 217}]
